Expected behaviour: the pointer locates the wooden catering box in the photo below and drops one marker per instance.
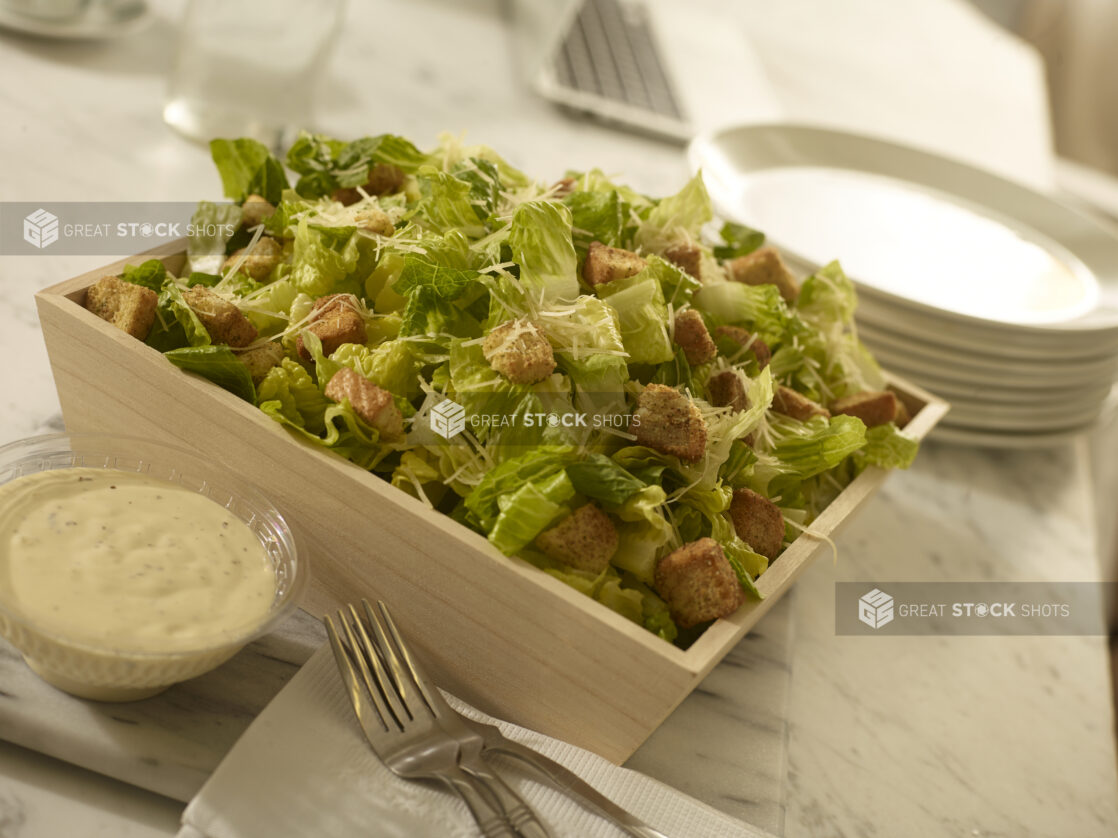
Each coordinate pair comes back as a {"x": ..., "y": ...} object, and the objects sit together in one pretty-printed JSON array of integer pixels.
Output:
[{"x": 496, "y": 631}]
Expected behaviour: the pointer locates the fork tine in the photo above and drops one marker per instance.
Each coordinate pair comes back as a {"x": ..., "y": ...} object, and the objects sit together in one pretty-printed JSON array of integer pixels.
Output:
[
  {"x": 389, "y": 684},
  {"x": 388, "y": 719},
  {"x": 357, "y": 695},
  {"x": 431, "y": 697},
  {"x": 392, "y": 653}
]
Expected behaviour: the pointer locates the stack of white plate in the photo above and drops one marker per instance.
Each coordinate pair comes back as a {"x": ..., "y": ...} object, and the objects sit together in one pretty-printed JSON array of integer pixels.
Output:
[{"x": 991, "y": 295}]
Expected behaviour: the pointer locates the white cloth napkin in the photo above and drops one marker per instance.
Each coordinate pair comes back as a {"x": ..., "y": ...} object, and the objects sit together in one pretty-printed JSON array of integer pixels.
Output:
[{"x": 303, "y": 768}]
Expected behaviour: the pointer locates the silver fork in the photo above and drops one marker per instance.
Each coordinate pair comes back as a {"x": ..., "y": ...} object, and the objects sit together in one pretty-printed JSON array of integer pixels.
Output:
[
  {"x": 409, "y": 671},
  {"x": 411, "y": 744}
]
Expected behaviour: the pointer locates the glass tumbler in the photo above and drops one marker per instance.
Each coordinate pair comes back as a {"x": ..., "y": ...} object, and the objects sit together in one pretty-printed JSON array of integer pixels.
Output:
[{"x": 249, "y": 68}]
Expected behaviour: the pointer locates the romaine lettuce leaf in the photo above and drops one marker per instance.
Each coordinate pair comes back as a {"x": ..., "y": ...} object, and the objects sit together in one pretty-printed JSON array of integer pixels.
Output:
[
  {"x": 390, "y": 365},
  {"x": 248, "y": 168},
  {"x": 759, "y": 308},
  {"x": 887, "y": 446},
  {"x": 677, "y": 218},
  {"x": 528, "y": 511},
  {"x": 642, "y": 316},
  {"x": 296, "y": 395},
  {"x": 739, "y": 240},
  {"x": 601, "y": 478},
  {"x": 446, "y": 204},
  {"x": 643, "y": 532},
  {"x": 150, "y": 274},
  {"x": 533, "y": 466},
  {"x": 821, "y": 445},
  {"x": 540, "y": 241},
  {"x": 176, "y": 324},
  {"x": 218, "y": 364}
]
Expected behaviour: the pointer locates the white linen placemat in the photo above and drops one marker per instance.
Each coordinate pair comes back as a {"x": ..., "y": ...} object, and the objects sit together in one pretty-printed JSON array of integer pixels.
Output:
[{"x": 303, "y": 768}]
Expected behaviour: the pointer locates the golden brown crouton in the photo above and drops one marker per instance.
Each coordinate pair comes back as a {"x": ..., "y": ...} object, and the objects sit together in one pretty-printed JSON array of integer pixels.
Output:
[
  {"x": 746, "y": 340},
  {"x": 687, "y": 257},
  {"x": 129, "y": 307},
  {"x": 758, "y": 522},
  {"x": 669, "y": 422},
  {"x": 258, "y": 263},
  {"x": 372, "y": 403},
  {"x": 375, "y": 220},
  {"x": 692, "y": 335},
  {"x": 223, "y": 320},
  {"x": 261, "y": 359},
  {"x": 605, "y": 264},
  {"x": 586, "y": 539},
  {"x": 698, "y": 583},
  {"x": 873, "y": 407},
  {"x": 790, "y": 403},
  {"x": 726, "y": 390},
  {"x": 765, "y": 267},
  {"x": 254, "y": 210},
  {"x": 519, "y": 351},
  {"x": 336, "y": 319},
  {"x": 384, "y": 179}
]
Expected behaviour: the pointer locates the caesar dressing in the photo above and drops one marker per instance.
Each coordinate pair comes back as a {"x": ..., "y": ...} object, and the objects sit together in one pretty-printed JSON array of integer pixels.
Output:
[{"x": 126, "y": 561}]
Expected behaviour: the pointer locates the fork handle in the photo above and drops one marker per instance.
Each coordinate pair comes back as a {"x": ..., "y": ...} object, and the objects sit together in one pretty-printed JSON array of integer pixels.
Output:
[
  {"x": 566, "y": 781},
  {"x": 489, "y": 820},
  {"x": 518, "y": 812}
]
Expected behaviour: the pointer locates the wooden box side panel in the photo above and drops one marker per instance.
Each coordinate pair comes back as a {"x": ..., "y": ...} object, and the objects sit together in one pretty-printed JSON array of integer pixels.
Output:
[{"x": 501, "y": 634}]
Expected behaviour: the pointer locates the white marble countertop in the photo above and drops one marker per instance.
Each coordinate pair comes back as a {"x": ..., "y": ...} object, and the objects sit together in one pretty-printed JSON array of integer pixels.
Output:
[{"x": 866, "y": 736}]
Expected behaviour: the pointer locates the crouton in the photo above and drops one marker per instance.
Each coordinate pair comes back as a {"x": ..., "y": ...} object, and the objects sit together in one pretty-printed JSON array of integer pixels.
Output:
[
  {"x": 261, "y": 359},
  {"x": 790, "y": 403},
  {"x": 742, "y": 339},
  {"x": 765, "y": 267},
  {"x": 375, "y": 220},
  {"x": 223, "y": 320},
  {"x": 605, "y": 264},
  {"x": 698, "y": 583},
  {"x": 873, "y": 407},
  {"x": 336, "y": 319},
  {"x": 727, "y": 390},
  {"x": 692, "y": 335},
  {"x": 259, "y": 262},
  {"x": 384, "y": 179},
  {"x": 758, "y": 522},
  {"x": 519, "y": 351},
  {"x": 669, "y": 422},
  {"x": 255, "y": 210},
  {"x": 131, "y": 308},
  {"x": 586, "y": 539},
  {"x": 372, "y": 403},
  {"x": 686, "y": 257}
]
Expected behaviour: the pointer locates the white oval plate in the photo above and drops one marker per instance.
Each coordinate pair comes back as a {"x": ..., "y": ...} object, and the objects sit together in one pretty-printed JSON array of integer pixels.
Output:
[
  {"x": 1038, "y": 346},
  {"x": 967, "y": 363},
  {"x": 917, "y": 230},
  {"x": 1074, "y": 398},
  {"x": 919, "y": 368},
  {"x": 1025, "y": 421}
]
